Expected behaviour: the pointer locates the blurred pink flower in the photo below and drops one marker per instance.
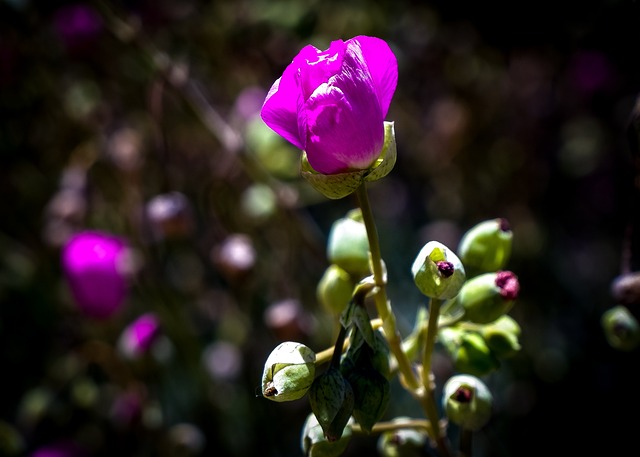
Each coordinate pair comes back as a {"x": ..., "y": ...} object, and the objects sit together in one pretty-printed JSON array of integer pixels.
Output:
[
  {"x": 332, "y": 103},
  {"x": 95, "y": 266},
  {"x": 140, "y": 335},
  {"x": 77, "y": 25},
  {"x": 58, "y": 449}
]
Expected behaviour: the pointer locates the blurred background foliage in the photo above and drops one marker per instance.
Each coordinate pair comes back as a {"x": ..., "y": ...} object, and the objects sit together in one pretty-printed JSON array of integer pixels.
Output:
[{"x": 518, "y": 111}]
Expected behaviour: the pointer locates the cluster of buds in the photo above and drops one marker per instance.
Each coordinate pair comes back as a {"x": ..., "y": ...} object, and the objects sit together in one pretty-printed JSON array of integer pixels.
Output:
[{"x": 348, "y": 255}]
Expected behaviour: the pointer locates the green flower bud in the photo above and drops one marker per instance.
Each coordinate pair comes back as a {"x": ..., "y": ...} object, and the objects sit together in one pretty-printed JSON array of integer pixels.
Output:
[
  {"x": 488, "y": 296},
  {"x": 331, "y": 399},
  {"x": 371, "y": 396},
  {"x": 467, "y": 402},
  {"x": 486, "y": 247},
  {"x": 340, "y": 185},
  {"x": 621, "y": 328},
  {"x": 469, "y": 351},
  {"x": 314, "y": 443},
  {"x": 335, "y": 289},
  {"x": 348, "y": 245},
  {"x": 402, "y": 442},
  {"x": 437, "y": 271},
  {"x": 502, "y": 336},
  {"x": 288, "y": 372}
]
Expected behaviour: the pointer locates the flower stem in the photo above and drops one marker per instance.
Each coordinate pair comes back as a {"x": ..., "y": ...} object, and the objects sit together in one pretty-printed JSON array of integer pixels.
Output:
[{"x": 385, "y": 312}]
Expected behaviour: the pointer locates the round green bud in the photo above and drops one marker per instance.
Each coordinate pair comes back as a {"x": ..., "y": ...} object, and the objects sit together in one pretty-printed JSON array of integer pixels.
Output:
[
  {"x": 621, "y": 328},
  {"x": 501, "y": 336},
  {"x": 402, "y": 442},
  {"x": 467, "y": 402},
  {"x": 334, "y": 289},
  {"x": 473, "y": 356},
  {"x": 314, "y": 443},
  {"x": 348, "y": 246},
  {"x": 437, "y": 271},
  {"x": 288, "y": 372},
  {"x": 488, "y": 296},
  {"x": 331, "y": 399},
  {"x": 486, "y": 246}
]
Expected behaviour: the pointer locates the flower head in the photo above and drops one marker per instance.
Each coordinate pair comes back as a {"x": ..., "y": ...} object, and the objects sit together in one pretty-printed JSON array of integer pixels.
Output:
[
  {"x": 95, "y": 265},
  {"x": 139, "y": 336},
  {"x": 332, "y": 103}
]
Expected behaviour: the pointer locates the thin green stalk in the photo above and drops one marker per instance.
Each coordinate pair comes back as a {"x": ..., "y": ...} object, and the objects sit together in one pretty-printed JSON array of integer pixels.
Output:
[{"x": 385, "y": 312}]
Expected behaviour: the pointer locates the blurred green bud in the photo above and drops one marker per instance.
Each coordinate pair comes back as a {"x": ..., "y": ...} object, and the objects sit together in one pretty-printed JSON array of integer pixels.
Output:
[
  {"x": 335, "y": 289},
  {"x": 371, "y": 396},
  {"x": 331, "y": 399},
  {"x": 288, "y": 372},
  {"x": 402, "y": 442},
  {"x": 488, "y": 296},
  {"x": 502, "y": 336},
  {"x": 348, "y": 245},
  {"x": 467, "y": 402},
  {"x": 437, "y": 271},
  {"x": 486, "y": 246},
  {"x": 621, "y": 328},
  {"x": 314, "y": 443},
  {"x": 469, "y": 351}
]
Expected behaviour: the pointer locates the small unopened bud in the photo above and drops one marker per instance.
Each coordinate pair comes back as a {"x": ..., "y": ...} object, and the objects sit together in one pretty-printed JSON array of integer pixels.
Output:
[
  {"x": 469, "y": 351},
  {"x": 314, "y": 443},
  {"x": 621, "y": 328},
  {"x": 467, "y": 402},
  {"x": 437, "y": 271},
  {"x": 331, "y": 399},
  {"x": 402, "y": 442},
  {"x": 486, "y": 246},
  {"x": 501, "y": 336},
  {"x": 348, "y": 245},
  {"x": 335, "y": 289},
  {"x": 625, "y": 289},
  {"x": 488, "y": 296},
  {"x": 288, "y": 372},
  {"x": 170, "y": 216},
  {"x": 139, "y": 336}
]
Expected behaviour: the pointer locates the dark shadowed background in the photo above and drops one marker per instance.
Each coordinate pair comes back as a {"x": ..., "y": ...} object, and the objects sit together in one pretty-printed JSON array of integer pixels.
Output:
[{"x": 516, "y": 110}]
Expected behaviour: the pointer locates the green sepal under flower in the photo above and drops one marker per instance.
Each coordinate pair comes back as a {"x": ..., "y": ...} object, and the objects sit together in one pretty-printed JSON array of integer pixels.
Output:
[
  {"x": 469, "y": 351},
  {"x": 340, "y": 185},
  {"x": 621, "y": 328},
  {"x": 402, "y": 442},
  {"x": 348, "y": 244},
  {"x": 488, "y": 296},
  {"x": 334, "y": 289},
  {"x": 437, "y": 271},
  {"x": 467, "y": 402},
  {"x": 314, "y": 443},
  {"x": 331, "y": 399},
  {"x": 288, "y": 372},
  {"x": 486, "y": 247}
]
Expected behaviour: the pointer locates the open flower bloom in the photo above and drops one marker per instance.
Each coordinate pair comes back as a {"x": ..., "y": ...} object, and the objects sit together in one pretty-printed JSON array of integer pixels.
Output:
[
  {"x": 95, "y": 267},
  {"x": 332, "y": 103}
]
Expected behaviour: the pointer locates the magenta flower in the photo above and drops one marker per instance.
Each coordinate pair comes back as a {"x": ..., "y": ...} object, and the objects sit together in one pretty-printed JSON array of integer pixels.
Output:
[
  {"x": 140, "y": 335},
  {"x": 95, "y": 265},
  {"x": 332, "y": 103}
]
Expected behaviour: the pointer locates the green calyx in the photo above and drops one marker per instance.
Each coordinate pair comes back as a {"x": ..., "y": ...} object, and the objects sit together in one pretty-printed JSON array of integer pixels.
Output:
[
  {"x": 438, "y": 272},
  {"x": 340, "y": 185},
  {"x": 348, "y": 245},
  {"x": 288, "y": 372},
  {"x": 483, "y": 299},
  {"x": 467, "y": 402},
  {"x": 314, "y": 443},
  {"x": 621, "y": 328},
  {"x": 486, "y": 246}
]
